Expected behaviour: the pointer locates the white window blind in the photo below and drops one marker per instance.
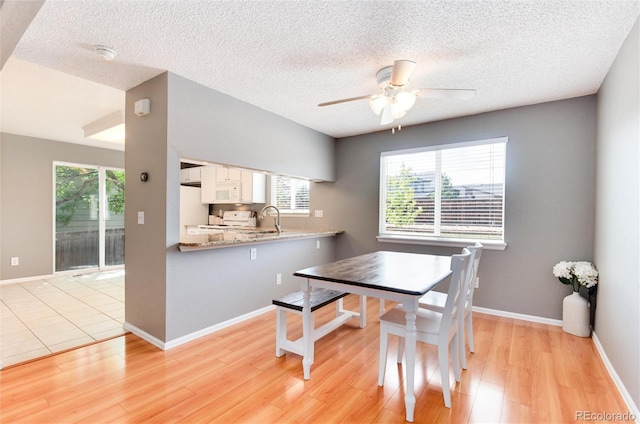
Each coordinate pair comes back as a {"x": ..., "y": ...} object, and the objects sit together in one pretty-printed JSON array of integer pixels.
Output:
[
  {"x": 451, "y": 192},
  {"x": 290, "y": 195}
]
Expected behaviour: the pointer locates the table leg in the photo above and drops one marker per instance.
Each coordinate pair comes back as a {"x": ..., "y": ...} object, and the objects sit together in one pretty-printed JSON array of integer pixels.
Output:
[
  {"x": 410, "y": 355},
  {"x": 307, "y": 330}
]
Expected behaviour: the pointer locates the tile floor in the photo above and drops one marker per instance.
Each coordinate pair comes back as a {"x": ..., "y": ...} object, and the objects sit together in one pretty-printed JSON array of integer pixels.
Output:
[{"x": 49, "y": 315}]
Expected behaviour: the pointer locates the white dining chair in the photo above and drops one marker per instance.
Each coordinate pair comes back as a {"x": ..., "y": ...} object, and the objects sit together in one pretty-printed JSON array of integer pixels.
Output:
[
  {"x": 435, "y": 301},
  {"x": 432, "y": 327}
]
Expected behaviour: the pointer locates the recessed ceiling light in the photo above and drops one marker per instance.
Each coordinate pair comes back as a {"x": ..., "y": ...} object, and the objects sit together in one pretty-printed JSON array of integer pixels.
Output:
[{"x": 105, "y": 52}]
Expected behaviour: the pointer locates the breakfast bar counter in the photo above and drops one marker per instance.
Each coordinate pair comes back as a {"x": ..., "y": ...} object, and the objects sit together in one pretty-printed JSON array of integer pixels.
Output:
[{"x": 192, "y": 242}]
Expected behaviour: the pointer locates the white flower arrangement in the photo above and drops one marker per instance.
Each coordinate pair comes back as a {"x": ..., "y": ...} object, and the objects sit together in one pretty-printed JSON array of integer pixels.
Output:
[{"x": 576, "y": 274}]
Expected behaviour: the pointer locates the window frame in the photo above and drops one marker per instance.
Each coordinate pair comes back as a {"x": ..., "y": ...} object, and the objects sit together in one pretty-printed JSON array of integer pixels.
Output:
[
  {"x": 290, "y": 212},
  {"x": 413, "y": 238}
]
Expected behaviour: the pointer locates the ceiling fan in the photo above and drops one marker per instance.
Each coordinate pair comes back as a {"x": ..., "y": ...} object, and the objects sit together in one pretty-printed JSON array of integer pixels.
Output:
[{"x": 395, "y": 100}]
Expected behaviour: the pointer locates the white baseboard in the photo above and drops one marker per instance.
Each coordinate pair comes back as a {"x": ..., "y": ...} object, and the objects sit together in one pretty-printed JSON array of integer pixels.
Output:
[
  {"x": 80, "y": 271},
  {"x": 144, "y": 335},
  {"x": 633, "y": 408},
  {"x": 514, "y": 315},
  {"x": 217, "y": 327},
  {"x": 196, "y": 334}
]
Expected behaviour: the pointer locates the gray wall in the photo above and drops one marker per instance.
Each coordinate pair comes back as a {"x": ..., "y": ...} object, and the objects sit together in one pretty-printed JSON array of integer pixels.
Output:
[
  {"x": 170, "y": 294},
  {"x": 145, "y": 245},
  {"x": 208, "y": 125},
  {"x": 26, "y": 202},
  {"x": 550, "y": 179},
  {"x": 206, "y": 288},
  {"x": 617, "y": 229}
]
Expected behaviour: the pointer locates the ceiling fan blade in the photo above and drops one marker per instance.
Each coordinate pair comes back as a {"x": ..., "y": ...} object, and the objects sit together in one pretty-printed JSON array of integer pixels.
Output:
[
  {"x": 401, "y": 72},
  {"x": 350, "y": 99},
  {"x": 446, "y": 93},
  {"x": 387, "y": 116}
]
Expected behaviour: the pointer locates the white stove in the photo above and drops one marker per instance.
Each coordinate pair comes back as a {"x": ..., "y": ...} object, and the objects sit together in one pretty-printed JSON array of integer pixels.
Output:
[{"x": 232, "y": 220}]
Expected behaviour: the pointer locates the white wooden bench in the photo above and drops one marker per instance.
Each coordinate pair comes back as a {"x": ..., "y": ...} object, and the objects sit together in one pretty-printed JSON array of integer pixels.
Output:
[{"x": 318, "y": 299}]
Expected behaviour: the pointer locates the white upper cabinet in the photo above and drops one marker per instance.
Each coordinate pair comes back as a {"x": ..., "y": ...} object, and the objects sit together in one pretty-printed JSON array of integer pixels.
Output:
[
  {"x": 190, "y": 175},
  {"x": 208, "y": 184},
  {"x": 224, "y": 173},
  {"x": 253, "y": 187}
]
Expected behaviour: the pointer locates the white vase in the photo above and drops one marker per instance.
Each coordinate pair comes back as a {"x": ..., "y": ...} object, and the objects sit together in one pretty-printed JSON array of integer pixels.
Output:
[{"x": 575, "y": 315}]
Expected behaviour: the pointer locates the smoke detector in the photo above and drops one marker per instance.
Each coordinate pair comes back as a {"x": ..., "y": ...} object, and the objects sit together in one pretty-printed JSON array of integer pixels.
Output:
[{"x": 105, "y": 52}]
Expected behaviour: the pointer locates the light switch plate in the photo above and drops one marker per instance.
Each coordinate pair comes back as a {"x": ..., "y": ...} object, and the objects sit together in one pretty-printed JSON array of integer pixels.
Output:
[
  {"x": 318, "y": 213},
  {"x": 140, "y": 217}
]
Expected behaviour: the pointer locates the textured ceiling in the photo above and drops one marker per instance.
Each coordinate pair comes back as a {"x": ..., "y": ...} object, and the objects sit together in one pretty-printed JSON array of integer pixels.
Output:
[{"x": 288, "y": 56}]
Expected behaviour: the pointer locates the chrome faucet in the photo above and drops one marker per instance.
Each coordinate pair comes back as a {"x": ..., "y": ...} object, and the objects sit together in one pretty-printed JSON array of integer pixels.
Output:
[{"x": 276, "y": 221}]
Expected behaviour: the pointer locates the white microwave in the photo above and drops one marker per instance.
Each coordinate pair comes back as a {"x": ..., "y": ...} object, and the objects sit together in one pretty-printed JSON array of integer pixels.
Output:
[{"x": 228, "y": 192}]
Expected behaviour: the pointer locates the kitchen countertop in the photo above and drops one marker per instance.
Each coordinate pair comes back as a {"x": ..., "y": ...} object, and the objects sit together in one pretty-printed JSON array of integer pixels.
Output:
[{"x": 191, "y": 242}]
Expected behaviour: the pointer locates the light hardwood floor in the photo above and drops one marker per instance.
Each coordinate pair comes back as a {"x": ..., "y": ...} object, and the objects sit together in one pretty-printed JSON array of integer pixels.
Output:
[{"x": 521, "y": 372}]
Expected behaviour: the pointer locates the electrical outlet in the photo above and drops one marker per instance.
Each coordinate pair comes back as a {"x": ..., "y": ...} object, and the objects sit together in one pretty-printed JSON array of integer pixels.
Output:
[
  {"x": 254, "y": 253},
  {"x": 15, "y": 261},
  {"x": 278, "y": 279},
  {"x": 476, "y": 284},
  {"x": 140, "y": 217},
  {"x": 317, "y": 244}
]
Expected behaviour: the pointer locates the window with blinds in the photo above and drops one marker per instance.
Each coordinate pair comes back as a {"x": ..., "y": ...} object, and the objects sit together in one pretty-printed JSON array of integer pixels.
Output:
[
  {"x": 450, "y": 193},
  {"x": 290, "y": 195}
]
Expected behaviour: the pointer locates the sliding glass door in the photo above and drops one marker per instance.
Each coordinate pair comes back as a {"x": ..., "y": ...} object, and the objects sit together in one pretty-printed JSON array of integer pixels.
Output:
[
  {"x": 89, "y": 217},
  {"x": 113, "y": 218}
]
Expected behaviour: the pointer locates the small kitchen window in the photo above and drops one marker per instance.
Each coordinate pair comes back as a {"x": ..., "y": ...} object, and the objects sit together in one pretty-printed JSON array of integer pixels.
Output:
[
  {"x": 290, "y": 195},
  {"x": 447, "y": 195}
]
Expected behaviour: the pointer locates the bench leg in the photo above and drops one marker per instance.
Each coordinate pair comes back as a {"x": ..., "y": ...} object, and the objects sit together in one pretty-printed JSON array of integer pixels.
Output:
[{"x": 281, "y": 330}]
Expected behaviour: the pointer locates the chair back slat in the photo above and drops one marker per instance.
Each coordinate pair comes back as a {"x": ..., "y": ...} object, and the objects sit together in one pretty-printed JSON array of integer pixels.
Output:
[
  {"x": 476, "y": 253},
  {"x": 459, "y": 268}
]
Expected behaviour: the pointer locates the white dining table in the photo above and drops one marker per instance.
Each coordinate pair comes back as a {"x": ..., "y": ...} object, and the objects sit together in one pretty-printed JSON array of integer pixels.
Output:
[{"x": 396, "y": 276}]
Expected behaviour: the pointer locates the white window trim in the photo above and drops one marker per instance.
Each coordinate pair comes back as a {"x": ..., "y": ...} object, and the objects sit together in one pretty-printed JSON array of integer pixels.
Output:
[
  {"x": 435, "y": 241},
  {"x": 383, "y": 237},
  {"x": 288, "y": 212}
]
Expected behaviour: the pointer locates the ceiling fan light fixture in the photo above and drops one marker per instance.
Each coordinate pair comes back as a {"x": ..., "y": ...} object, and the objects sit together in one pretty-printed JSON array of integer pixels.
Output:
[
  {"x": 397, "y": 112},
  {"x": 405, "y": 100},
  {"x": 394, "y": 102},
  {"x": 377, "y": 104}
]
